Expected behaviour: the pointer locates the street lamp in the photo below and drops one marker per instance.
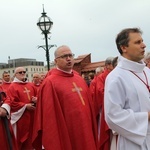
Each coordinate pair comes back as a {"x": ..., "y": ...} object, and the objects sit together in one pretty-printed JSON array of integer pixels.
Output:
[{"x": 45, "y": 24}]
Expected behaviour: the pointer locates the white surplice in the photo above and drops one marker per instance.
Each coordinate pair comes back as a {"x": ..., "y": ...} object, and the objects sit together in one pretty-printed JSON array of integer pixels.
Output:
[{"x": 127, "y": 103}]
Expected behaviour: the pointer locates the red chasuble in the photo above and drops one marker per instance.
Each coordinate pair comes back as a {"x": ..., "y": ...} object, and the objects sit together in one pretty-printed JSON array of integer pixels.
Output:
[
  {"x": 37, "y": 86},
  {"x": 3, "y": 134},
  {"x": 5, "y": 86},
  {"x": 21, "y": 94},
  {"x": 104, "y": 141},
  {"x": 64, "y": 116}
]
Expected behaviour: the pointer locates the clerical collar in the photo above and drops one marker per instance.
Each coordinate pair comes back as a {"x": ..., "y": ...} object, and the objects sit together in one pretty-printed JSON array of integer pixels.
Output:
[
  {"x": 36, "y": 83},
  {"x": 130, "y": 65},
  {"x": 6, "y": 81},
  {"x": 19, "y": 81},
  {"x": 70, "y": 72}
]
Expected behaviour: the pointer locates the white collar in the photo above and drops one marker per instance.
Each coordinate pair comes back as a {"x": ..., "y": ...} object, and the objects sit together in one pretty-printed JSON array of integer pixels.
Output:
[
  {"x": 19, "y": 81},
  {"x": 65, "y": 71},
  {"x": 130, "y": 65}
]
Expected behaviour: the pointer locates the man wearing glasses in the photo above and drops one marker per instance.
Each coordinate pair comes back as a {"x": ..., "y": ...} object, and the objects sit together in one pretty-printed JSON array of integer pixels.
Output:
[
  {"x": 64, "y": 116},
  {"x": 23, "y": 97}
]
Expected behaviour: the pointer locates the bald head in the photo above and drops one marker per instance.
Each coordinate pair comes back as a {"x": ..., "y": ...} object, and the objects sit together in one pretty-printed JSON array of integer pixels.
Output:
[
  {"x": 64, "y": 58},
  {"x": 98, "y": 70},
  {"x": 18, "y": 69},
  {"x": 59, "y": 49},
  {"x": 36, "y": 78}
]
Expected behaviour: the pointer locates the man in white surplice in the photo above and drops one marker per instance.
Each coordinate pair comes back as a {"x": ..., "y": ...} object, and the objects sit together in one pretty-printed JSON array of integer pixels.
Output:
[{"x": 127, "y": 93}]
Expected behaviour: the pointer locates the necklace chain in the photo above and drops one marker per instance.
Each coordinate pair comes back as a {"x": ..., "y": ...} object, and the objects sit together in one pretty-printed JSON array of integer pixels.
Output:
[{"x": 146, "y": 83}]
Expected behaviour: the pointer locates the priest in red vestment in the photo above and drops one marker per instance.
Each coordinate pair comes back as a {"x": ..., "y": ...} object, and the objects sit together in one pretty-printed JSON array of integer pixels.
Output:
[
  {"x": 65, "y": 118},
  {"x": 7, "y": 138},
  {"x": 6, "y": 81},
  {"x": 104, "y": 133},
  {"x": 92, "y": 87},
  {"x": 36, "y": 80},
  {"x": 23, "y": 97}
]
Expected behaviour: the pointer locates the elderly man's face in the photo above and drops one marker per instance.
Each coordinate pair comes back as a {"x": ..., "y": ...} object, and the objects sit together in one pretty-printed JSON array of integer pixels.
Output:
[{"x": 20, "y": 74}]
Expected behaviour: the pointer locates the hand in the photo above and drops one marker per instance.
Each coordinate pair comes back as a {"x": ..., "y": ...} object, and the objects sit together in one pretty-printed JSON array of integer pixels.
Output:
[
  {"x": 30, "y": 106},
  {"x": 34, "y": 99},
  {"x": 1, "y": 102},
  {"x": 3, "y": 112}
]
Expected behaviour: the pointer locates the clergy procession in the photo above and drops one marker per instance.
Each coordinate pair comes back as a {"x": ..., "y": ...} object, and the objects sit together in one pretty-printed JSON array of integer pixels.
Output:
[{"x": 61, "y": 111}]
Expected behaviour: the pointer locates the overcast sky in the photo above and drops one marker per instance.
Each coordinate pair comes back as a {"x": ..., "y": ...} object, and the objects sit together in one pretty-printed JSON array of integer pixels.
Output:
[{"x": 86, "y": 26}]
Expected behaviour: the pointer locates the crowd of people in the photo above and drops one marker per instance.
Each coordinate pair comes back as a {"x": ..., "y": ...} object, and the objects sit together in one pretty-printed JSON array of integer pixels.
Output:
[
  {"x": 61, "y": 111},
  {"x": 18, "y": 99}
]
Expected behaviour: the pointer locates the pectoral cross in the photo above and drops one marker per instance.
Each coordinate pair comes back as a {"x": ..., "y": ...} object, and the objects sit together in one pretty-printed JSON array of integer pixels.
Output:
[
  {"x": 27, "y": 91},
  {"x": 78, "y": 89}
]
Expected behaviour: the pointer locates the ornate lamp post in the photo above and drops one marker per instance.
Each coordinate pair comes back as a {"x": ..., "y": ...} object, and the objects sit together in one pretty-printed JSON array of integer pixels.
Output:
[{"x": 45, "y": 24}]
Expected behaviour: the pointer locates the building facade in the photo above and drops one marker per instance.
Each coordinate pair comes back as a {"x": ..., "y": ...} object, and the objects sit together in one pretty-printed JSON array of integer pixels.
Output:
[
  {"x": 83, "y": 66},
  {"x": 31, "y": 66}
]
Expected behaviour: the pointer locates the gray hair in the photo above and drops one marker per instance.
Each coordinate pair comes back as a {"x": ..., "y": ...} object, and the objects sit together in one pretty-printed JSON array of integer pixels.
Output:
[
  {"x": 60, "y": 47},
  {"x": 98, "y": 69},
  {"x": 109, "y": 60}
]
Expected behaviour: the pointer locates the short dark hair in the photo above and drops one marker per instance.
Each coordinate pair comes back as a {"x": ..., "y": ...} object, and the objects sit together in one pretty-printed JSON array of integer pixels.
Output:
[
  {"x": 122, "y": 38},
  {"x": 5, "y": 72}
]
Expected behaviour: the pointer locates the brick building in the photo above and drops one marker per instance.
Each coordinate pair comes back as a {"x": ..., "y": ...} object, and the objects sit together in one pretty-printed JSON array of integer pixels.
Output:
[{"x": 83, "y": 64}]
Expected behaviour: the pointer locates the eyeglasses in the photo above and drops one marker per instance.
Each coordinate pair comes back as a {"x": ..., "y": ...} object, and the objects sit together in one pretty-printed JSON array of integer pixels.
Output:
[
  {"x": 20, "y": 72},
  {"x": 66, "y": 56}
]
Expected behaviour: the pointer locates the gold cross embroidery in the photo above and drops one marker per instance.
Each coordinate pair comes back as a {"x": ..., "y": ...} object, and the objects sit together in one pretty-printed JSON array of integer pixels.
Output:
[
  {"x": 27, "y": 91},
  {"x": 77, "y": 89}
]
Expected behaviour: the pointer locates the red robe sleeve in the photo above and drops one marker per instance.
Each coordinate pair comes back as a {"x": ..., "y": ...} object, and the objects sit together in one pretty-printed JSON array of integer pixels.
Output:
[
  {"x": 3, "y": 134},
  {"x": 104, "y": 142}
]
